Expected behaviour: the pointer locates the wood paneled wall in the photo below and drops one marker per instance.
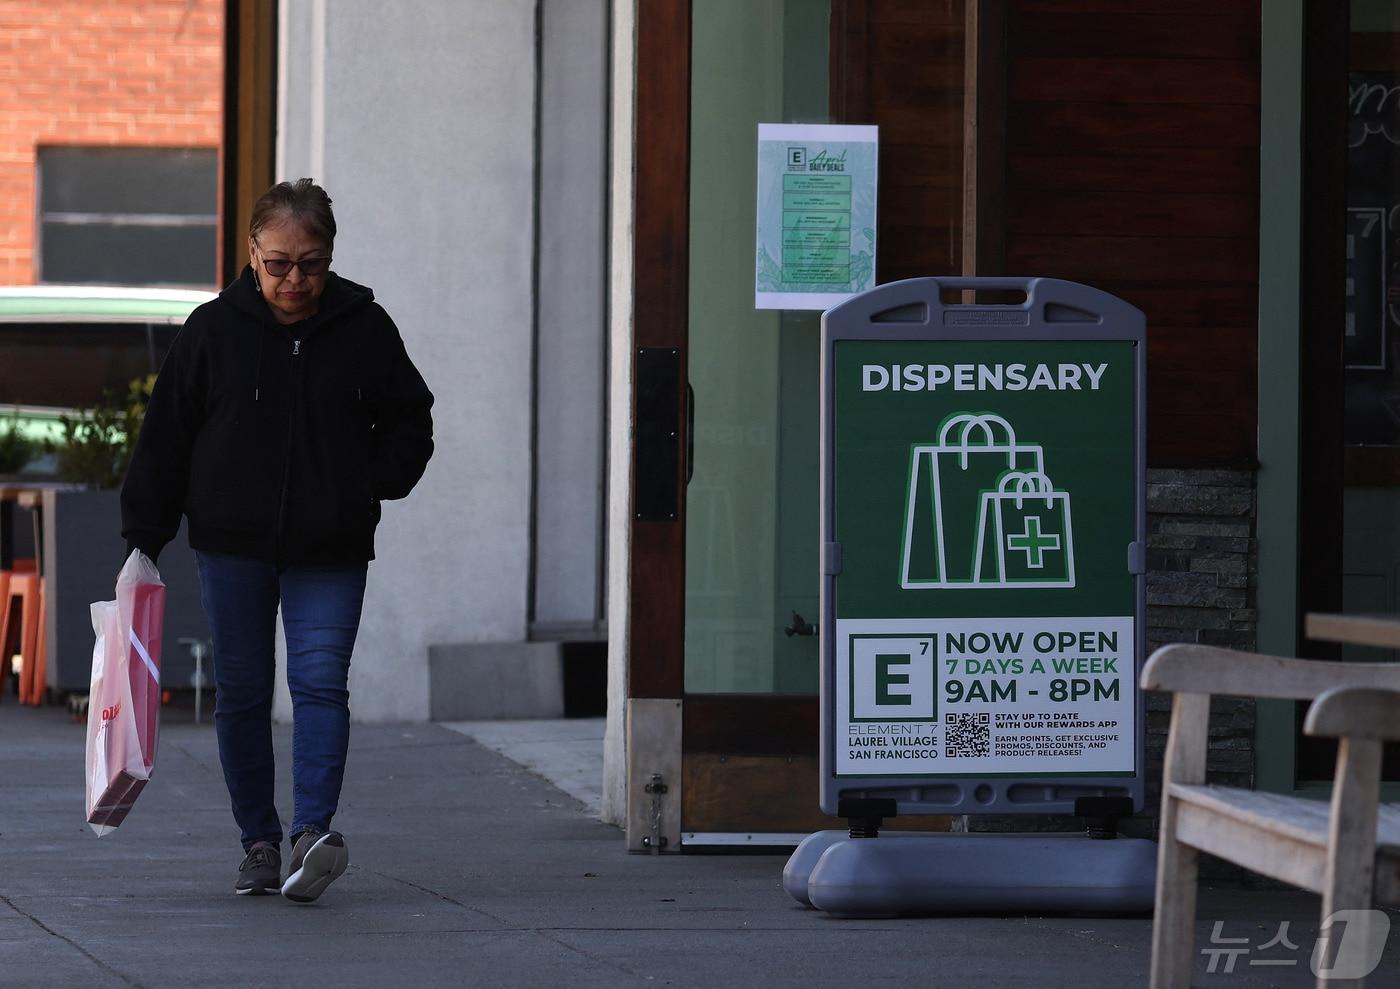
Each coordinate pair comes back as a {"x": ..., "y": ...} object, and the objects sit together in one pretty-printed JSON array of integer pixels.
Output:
[
  {"x": 899, "y": 64},
  {"x": 1128, "y": 138},
  {"x": 1132, "y": 142},
  {"x": 248, "y": 156}
]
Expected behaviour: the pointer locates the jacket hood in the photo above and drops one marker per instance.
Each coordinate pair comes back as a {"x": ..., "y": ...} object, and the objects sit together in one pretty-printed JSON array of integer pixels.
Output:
[{"x": 341, "y": 296}]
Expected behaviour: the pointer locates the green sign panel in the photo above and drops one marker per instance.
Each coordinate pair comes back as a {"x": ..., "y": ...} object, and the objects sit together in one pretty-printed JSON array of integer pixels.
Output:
[
  {"x": 984, "y": 502},
  {"x": 988, "y": 454}
]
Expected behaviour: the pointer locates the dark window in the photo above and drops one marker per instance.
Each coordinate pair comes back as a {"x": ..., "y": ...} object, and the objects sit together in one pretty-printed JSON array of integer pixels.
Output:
[
  {"x": 1349, "y": 402},
  {"x": 70, "y": 365},
  {"x": 128, "y": 216}
]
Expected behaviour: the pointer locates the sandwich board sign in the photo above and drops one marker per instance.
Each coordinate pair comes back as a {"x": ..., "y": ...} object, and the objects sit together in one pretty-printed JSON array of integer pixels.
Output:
[{"x": 984, "y": 531}]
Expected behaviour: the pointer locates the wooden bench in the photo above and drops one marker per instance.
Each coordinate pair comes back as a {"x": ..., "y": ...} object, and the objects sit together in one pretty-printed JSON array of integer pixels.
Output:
[{"x": 1348, "y": 851}]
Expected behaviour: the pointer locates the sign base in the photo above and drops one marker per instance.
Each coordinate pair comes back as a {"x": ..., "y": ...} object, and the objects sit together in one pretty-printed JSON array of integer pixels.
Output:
[{"x": 911, "y": 874}]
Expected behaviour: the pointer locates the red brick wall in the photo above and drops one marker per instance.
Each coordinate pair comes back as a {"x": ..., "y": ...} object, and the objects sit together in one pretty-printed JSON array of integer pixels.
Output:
[{"x": 99, "y": 72}]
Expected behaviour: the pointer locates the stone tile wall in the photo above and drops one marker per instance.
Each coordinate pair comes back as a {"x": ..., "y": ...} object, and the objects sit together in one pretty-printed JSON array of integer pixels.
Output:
[
  {"x": 1203, "y": 564},
  {"x": 1202, "y": 558}
]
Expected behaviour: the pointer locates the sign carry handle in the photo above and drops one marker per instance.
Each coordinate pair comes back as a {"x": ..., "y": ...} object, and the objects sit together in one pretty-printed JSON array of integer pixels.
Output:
[{"x": 919, "y": 302}]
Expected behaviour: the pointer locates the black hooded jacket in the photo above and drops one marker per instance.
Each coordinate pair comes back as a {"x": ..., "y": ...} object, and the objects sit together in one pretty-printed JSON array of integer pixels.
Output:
[{"x": 278, "y": 442}]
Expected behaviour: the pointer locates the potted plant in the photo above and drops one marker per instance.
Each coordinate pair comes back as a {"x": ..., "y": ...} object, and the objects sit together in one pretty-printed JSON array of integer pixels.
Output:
[
  {"x": 16, "y": 449},
  {"x": 97, "y": 443}
]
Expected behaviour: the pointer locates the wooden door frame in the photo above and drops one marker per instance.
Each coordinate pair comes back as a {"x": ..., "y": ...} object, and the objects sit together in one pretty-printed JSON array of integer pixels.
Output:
[
  {"x": 247, "y": 159},
  {"x": 660, "y": 301},
  {"x": 984, "y": 138},
  {"x": 661, "y": 275}
]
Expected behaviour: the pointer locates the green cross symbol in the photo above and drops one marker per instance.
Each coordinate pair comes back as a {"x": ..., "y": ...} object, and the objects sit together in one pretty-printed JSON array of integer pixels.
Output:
[{"x": 1032, "y": 543}]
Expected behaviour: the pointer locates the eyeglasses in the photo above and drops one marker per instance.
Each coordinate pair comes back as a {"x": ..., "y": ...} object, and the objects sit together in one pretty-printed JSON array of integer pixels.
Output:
[{"x": 277, "y": 267}]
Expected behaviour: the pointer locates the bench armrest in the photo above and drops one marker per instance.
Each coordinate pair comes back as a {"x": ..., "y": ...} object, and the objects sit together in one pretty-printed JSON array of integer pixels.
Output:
[
  {"x": 1355, "y": 712},
  {"x": 1188, "y": 668}
]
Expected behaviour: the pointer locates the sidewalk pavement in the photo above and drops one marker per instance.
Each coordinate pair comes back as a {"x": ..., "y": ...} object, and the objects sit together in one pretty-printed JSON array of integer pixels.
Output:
[
  {"x": 469, "y": 870},
  {"x": 567, "y": 752}
]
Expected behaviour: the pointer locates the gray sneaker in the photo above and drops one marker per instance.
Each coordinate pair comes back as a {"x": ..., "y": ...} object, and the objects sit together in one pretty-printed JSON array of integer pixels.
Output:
[
  {"x": 261, "y": 871},
  {"x": 318, "y": 859}
]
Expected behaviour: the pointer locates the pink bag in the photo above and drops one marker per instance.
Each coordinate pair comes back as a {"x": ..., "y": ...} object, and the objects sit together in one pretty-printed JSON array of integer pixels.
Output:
[{"x": 124, "y": 703}]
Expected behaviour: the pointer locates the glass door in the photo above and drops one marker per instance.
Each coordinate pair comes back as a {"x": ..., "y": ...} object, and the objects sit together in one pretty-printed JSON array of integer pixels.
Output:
[
  {"x": 751, "y": 657},
  {"x": 751, "y": 662},
  {"x": 751, "y": 504}
]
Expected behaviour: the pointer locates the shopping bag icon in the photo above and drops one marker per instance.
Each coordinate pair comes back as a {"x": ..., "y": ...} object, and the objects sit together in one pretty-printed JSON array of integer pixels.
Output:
[
  {"x": 1024, "y": 536},
  {"x": 947, "y": 479}
]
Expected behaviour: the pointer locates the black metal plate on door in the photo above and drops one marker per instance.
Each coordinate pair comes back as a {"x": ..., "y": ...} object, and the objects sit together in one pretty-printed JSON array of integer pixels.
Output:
[{"x": 656, "y": 457}]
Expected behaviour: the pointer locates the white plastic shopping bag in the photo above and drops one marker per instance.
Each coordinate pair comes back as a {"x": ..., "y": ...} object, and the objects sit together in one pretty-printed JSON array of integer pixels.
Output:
[{"x": 124, "y": 702}]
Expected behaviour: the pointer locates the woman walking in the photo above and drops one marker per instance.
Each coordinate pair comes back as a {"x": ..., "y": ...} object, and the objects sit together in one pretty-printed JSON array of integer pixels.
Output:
[{"x": 285, "y": 411}]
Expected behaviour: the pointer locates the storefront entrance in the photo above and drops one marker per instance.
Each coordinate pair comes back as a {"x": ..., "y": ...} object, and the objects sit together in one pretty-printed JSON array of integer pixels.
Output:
[{"x": 724, "y": 529}]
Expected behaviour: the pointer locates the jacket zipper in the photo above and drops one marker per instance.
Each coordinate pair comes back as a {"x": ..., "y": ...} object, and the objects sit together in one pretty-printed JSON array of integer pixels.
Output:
[{"x": 287, "y": 454}]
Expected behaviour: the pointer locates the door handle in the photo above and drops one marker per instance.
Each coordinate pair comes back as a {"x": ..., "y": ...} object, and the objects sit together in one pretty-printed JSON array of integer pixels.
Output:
[
  {"x": 689, "y": 432},
  {"x": 799, "y": 626}
]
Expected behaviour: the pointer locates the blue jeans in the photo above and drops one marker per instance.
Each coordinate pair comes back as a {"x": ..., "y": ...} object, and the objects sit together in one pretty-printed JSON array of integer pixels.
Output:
[{"x": 320, "y": 614}]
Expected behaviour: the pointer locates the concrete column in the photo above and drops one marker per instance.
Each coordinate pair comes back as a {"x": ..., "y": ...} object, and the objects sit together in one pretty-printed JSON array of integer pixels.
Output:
[
  {"x": 620, "y": 336},
  {"x": 570, "y": 346},
  {"x": 419, "y": 117}
]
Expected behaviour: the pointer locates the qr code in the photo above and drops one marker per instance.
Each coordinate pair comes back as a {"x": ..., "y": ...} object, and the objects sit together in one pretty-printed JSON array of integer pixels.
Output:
[{"x": 967, "y": 735}]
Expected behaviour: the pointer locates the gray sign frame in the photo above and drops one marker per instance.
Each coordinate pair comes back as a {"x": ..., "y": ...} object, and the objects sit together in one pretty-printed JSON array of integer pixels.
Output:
[{"x": 914, "y": 310}]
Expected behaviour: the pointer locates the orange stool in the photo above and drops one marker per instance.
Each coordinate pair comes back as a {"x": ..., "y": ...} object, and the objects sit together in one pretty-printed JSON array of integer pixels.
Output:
[
  {"x": 4, "y": 630},
  {"x": 21, "y": 566},
  {"x": 41, "y": 646},
  {"x": 28, "y": 589},
  {"x": 40, "y": 665}
]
